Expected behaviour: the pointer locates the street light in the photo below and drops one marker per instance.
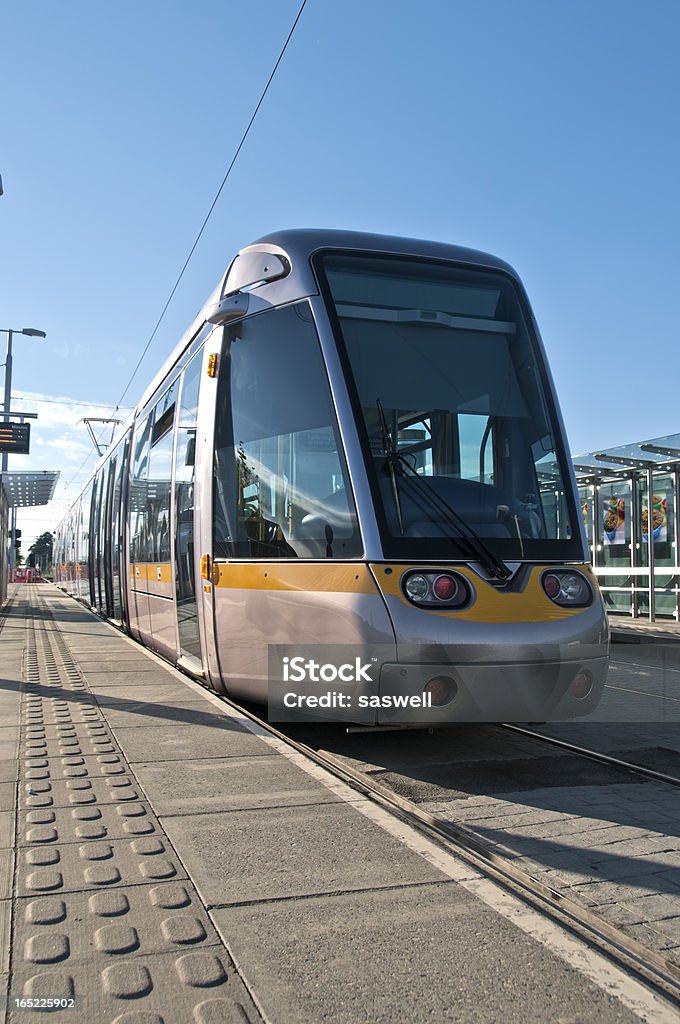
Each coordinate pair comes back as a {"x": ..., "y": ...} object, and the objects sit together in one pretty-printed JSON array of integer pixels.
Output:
[{"x": 30, "y": 332}]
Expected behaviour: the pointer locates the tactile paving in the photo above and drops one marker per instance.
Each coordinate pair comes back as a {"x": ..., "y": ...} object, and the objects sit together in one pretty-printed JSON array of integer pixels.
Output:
[{"x": 103, "y": 912}]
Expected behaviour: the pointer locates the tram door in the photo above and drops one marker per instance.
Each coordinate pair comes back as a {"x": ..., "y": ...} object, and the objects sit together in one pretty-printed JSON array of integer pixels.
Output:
[
  {"x": 185, "y": 473},
  {"x": 96, "y": 560}
]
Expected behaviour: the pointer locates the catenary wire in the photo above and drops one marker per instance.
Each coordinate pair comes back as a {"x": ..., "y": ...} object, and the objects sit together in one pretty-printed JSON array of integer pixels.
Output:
[
  {"x": 214, "y": 203},
  {"x": 57, "y": 401},
  {"x": 198, "y": 236}
]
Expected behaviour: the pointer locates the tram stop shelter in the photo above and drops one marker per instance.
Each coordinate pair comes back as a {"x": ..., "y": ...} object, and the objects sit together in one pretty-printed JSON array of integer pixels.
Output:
[
  {"x": 20, "y": 490},
  {"x": 614, "y": 488}
]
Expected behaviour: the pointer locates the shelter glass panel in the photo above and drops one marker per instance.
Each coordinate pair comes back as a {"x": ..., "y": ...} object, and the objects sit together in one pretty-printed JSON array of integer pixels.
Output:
[
  {"x": 663, "y": 541},
  {"x": 614, "y": 544}
]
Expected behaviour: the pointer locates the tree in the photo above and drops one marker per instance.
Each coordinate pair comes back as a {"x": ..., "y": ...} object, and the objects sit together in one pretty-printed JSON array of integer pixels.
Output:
[{"x": 40, "y": 551}]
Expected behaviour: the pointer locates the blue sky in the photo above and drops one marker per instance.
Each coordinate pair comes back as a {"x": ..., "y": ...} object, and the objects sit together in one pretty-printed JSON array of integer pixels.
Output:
[{"x": 544, "y": 132}]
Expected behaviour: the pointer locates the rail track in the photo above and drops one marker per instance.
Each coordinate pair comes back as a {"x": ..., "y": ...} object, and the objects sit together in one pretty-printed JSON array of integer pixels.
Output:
[
  {"x": 594, "y": 755},
  {"x": 651, "y": 967}
]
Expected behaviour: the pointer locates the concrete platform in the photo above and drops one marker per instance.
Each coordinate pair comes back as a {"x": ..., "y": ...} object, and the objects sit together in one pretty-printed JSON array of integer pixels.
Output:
[
  {"x": 163, "y": 861},
  {"x": 627, "y": 630}
]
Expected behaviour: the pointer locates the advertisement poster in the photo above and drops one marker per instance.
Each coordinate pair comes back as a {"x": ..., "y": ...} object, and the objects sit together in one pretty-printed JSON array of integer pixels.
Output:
[
  {"x": 659, "y": 519},
  {"x": 614, "y": 521}
]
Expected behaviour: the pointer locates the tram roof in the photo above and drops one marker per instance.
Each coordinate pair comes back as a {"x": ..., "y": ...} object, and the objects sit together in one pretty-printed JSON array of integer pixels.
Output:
[
  {"x": 299, "y": 245},
  {"x": 302, "y": 243}
]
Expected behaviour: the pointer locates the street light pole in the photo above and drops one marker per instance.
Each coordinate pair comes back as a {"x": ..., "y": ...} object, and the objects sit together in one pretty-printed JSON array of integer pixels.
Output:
[
  {"x": 8, "y": 387},
  {"x": 31, "y": 332}
]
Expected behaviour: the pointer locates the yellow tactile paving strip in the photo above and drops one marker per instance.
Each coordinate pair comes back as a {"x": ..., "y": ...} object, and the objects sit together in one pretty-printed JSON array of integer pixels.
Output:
[{"x": 103, "y": 913}]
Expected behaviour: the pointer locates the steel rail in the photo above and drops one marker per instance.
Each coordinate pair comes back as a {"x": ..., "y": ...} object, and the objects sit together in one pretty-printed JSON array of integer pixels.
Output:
[
  {"x": 650, "y": 967},
  {"x": 594, "y": 755}
]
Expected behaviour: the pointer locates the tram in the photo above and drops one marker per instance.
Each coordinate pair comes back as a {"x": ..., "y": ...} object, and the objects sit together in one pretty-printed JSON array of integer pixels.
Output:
[{"x": 356, "y": 443}]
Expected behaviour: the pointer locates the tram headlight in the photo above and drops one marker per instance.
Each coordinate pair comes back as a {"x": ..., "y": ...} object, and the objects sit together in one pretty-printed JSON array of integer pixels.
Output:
[
  {"x": 435, "y": 589},
  {"x": 417, "y": 588},
  {"x": 567, "y": 588}
]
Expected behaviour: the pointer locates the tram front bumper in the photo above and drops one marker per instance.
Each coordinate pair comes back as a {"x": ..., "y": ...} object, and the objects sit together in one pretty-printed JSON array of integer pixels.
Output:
[{"x": 499, "y": 692}]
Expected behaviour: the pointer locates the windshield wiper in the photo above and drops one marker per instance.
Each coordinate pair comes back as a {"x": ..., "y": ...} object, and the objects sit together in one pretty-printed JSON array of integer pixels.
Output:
[
  {"x": 398, "y": 464},
  {"x": 494, "y": 566},
  {"x": 392, "y": 461}
]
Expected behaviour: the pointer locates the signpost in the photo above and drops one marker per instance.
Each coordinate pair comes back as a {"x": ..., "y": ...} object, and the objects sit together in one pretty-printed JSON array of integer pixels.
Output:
[{"x": 15, "y": 438}]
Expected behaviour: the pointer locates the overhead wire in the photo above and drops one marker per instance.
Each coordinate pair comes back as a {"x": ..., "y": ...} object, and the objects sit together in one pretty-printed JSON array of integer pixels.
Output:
[
  {"x": 214, "y": 202},
  {"x": 80, "y": 469},
  {"x": 57, "y": 401},
  {"x": 202, "y": 228}
]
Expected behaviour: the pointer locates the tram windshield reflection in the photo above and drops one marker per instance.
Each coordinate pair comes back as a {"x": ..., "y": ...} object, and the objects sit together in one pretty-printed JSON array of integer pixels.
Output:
[{"x": 449, "y": 358}]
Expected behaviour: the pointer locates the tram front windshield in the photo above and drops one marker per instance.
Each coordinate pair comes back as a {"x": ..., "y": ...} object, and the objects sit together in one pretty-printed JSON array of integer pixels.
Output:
[{"x": 457, "y": 422}]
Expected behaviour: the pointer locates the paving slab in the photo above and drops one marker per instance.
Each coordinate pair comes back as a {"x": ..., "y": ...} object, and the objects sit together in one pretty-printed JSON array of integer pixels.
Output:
[
  {"x": 77, "y": 792},
  {"x": 290, "y": 851},
  {"x": 227, "y": 784},
  {"x": 7, "y": 796},
  {"x": 54, "y": 870},
  {"x": 404, "y": 955},
  {"x": 9, "y": 736},
  {"x": 149, "y": 714},
  {"x": 85, "y": 744},
  {"x": 127, "y": 658},
  {"x": 72, "y": 766},
  {"x": 6, "y": 867},
  {"x": 179, "y": 742},
  {"x": 5, "y": 936},
  {"x": 47, "y": 825},
  {"x": 170, "y": 691},
  {"x": 6, "y": 830},
  {"x": 200, "y": 986},
  {"x": 100, "y": 926}
]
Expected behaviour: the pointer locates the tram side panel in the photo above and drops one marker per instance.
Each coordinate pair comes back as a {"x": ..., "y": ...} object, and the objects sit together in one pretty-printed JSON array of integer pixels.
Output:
[
  {"x": 286, "y": 541},
  {"x": 161, "y": 516}
]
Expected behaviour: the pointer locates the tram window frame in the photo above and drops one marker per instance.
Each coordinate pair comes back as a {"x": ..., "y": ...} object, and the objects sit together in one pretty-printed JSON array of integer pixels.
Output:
[
  {"x": 137, "y": 524},
  {"x": 394, "y": 544},
  {"x": 159, "y": 489},
  {"x": 277, "y": 443}
]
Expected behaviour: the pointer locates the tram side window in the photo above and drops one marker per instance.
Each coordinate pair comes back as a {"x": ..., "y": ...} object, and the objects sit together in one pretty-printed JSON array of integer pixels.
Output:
[
  {"x": 139, "y": 547},
  {"x": 160, "y": 477},
  {"x": 83, "y": 528},
  {"x": 281, "y": 488}
]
